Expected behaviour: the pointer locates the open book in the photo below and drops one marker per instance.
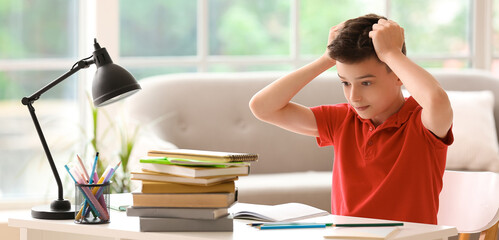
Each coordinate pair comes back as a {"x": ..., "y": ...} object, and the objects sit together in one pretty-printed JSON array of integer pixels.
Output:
[{"x": 275, "y": 213}]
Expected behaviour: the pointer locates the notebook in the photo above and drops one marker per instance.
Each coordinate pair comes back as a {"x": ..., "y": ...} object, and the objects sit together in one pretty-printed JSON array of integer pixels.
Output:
[
  {"x": 161, "y": 177},
  {"x": 203, "y": 155},
  {"x": 223, "y": 224},
  {"x": 161, "y": 166},
  {"x": 184, "y": 213},
  {"x": 275, "y": 213}
]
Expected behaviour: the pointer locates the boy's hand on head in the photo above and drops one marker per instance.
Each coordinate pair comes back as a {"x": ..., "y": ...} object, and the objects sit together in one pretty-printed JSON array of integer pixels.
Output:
[
  {"x": 333, "y": 33},
  {"x": 388, "y": 38}
]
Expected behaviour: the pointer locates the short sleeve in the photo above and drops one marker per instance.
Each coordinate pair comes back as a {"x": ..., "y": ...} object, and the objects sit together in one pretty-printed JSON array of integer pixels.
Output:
[
  {"x": 439, "y": 142},
  {"x": 326, "y": 117}
]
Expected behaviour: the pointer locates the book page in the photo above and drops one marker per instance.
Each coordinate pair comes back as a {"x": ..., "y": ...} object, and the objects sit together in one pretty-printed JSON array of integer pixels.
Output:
[{"x": 275, "y": 213}]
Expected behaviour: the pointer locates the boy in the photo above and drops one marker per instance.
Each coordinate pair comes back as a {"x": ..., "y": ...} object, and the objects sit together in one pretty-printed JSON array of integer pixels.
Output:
[{"x": 390, "y": 152}]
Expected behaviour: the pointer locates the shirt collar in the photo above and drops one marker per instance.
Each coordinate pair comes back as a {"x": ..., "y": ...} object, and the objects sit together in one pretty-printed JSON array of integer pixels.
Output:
[{"x": 398, "y": 118}]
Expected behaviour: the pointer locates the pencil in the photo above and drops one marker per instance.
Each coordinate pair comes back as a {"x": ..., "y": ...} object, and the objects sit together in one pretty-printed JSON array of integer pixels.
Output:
[
  {"x": 93, "y": 168},
  {"x": 83, "y": 168},
  {"x": 289, "y": 226},
  {"x": 368, "y": 225},
  {"x": 319, "y": 225}
]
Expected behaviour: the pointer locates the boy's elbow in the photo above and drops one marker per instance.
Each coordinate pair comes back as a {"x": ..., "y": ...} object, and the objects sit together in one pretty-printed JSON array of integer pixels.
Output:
[
  {"x": 256, "y": 107},
  {"x": 260, "y": 109},
  {"x": 441, "y": 105},
  {"x": 440, "y": 99}
]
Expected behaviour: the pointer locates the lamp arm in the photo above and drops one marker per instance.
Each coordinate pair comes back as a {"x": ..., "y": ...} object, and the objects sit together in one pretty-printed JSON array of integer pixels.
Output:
[
  {"x": 79, "y": 65},
  {"x": 28, "y": 101}
]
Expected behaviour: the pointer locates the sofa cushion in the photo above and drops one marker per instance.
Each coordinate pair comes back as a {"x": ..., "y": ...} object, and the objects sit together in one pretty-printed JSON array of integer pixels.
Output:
[
  {"x": 210, "y": 112},
  {"x": 310, "y": 187},
  {"x": 475, "y": 144}
]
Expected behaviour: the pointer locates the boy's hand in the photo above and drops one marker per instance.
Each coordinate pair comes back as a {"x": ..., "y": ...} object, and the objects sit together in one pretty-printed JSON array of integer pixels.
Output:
[
  {"x": 333, "y": 33},
  {"x": 388, "y": 38}
]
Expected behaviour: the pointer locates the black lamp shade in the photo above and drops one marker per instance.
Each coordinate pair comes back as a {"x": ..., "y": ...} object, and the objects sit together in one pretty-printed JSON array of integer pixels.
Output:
[{"x": 112, "y": 83}]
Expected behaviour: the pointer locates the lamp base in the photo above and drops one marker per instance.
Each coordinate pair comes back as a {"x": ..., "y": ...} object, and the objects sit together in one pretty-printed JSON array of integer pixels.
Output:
[{"x": 46, "y": 212}]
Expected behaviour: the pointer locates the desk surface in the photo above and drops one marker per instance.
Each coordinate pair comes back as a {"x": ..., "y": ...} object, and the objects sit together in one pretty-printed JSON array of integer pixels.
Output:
[{"x": 123, "y": 227}]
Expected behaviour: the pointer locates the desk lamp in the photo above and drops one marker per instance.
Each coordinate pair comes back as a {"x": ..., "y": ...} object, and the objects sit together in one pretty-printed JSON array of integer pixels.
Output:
[{"x": 111, "y": 83}]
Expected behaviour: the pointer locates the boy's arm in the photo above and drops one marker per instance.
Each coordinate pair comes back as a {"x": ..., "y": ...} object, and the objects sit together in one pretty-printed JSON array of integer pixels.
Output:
[
  {"x": 273, "y": 103},
  {"x": 388, "y": 38}
]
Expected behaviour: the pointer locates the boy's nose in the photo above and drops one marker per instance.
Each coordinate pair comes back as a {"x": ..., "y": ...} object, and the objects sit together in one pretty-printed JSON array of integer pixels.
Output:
[{"x": 355, "y": 95}]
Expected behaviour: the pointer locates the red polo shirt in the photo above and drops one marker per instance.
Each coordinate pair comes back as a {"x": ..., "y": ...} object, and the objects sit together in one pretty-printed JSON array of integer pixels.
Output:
[{"x": 393, "y": 171}]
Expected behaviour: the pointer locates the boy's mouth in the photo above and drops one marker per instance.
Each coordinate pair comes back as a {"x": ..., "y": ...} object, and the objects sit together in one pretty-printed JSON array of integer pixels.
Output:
[{"x": 361, "y": 108}]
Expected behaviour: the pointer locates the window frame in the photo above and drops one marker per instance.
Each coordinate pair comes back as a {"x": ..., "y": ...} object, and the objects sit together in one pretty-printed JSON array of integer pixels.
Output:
[{"x": 480, "y": 55}]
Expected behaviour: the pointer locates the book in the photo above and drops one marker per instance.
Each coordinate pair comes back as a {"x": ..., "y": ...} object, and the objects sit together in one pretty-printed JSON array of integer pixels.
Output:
[
  {"x": 163, "y": 187},
  {"x": 203, "y": 155},
  {"x": 224, "y": 224},
  {"x": 162, "y": 166},
  {"x": 275, "y": 213},
  {"x": 361, "y": 232},
  {"x": 184, "y": 200},
  {"x": 163, "y": 177},
  {"x": 190, "y": 162},
  {"x": 191, "y": 213}
]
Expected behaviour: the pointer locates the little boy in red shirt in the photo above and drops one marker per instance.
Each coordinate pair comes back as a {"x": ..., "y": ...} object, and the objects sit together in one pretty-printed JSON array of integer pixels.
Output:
[{"x": 390, "y": 152}]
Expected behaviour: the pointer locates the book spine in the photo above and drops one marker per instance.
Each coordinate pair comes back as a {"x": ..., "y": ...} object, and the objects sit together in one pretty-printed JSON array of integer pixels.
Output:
[
  {"x": 198, "y": 200},
  {"x": 157, "y": 187},
  {"x": 185, "y": 225},
  {"x": 187, "y": 213}
]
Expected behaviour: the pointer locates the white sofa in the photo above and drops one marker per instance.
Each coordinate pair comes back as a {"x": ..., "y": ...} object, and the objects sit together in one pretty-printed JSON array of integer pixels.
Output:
[{"x": 210, "y": 111}]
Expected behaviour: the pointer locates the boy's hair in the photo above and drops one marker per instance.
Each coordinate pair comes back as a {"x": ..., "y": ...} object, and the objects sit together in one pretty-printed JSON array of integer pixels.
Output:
[{"x": 353, "y": 44}]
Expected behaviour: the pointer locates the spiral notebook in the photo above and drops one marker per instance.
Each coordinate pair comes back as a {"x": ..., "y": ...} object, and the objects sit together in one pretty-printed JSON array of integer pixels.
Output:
[{"x": 203, "y": 155}]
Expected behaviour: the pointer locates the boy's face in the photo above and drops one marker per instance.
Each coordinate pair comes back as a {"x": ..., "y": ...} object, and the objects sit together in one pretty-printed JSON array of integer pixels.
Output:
[{"x": 372, "y": 90}]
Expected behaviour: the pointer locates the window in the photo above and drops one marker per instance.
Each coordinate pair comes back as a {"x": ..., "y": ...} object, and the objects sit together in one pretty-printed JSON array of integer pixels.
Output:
[
  {"x": 241, "y": 35},
  {"x": 437, "y": 32},
  {"x": 37, "y": 44}
]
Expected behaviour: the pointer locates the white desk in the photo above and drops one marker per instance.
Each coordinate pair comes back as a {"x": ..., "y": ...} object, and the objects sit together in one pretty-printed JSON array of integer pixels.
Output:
[{"x": 125, "y": 228}]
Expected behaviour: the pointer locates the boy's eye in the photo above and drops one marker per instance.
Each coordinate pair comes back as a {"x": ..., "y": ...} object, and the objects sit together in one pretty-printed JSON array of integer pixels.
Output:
[
  {"x": 345, "y": 83},
  {"x": 366, "y": 83}
]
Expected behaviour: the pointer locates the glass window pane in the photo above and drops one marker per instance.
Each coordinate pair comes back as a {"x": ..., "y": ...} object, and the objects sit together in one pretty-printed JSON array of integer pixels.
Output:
[
  {"x": 495, "y": 25},
  {"x": 35, "y": 29},
  {"x": 446, "y": 63},
  {"x": 17, "y": 84},
  {"x": 140, "y": 73},
  {"x": 157, "y": 28},
  {"x": 25, "y": 162},
  {"x": 434, "y": 27},
  {"x": 242, "y": 27},
  {"x": 318, "y": 16}
]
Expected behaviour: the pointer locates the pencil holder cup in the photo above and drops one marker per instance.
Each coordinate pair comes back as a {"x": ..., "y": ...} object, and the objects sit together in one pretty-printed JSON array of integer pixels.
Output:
[{"x": 92, "y": 203}]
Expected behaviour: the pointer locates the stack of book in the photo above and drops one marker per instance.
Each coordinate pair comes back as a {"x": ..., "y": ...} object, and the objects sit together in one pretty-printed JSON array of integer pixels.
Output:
[{"x": 187, "y": 190}]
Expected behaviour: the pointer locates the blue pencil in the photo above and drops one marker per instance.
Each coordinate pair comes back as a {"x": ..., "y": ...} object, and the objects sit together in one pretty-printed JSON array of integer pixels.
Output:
[
  {"x": 320, "y": 225},
  {"x": 93, "y": 168}
]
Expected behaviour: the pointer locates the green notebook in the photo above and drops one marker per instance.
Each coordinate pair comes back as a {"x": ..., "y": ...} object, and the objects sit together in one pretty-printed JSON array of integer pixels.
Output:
[
  {"x": 189, "y": 162},
  {"x": 163, "y": 165}
]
